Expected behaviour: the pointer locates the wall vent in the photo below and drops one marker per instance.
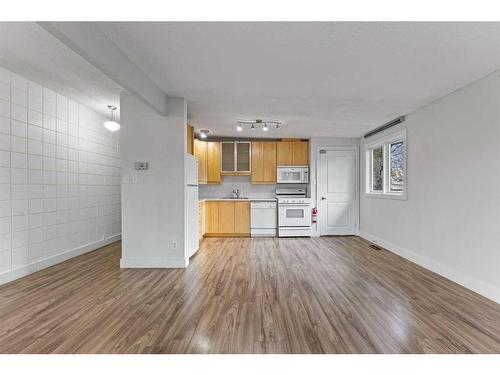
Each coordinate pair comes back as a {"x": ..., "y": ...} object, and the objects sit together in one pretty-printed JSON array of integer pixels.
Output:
[{"x": 375, "y": 247}]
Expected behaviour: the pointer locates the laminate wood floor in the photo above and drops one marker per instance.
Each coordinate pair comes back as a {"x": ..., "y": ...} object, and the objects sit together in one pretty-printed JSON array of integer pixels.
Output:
[{"x": 240, "y": 295}]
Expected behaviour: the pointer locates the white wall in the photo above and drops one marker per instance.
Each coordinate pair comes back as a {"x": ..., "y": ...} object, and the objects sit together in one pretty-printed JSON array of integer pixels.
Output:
[
  {"x": 153, "y": 208},
  {"x": 450, "y": 221},
  {"x": 59, "y": 178},
  {"x": 315, "y": 145}
]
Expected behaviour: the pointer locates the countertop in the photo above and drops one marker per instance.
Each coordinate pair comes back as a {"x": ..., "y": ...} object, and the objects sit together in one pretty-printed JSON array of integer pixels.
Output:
[{"x": 238, "y": 200}]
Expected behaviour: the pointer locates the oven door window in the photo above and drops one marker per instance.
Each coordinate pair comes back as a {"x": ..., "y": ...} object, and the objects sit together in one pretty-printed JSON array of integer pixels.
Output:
[
  {"x": 290, "y": 216},
  {"x": 294, "y": 213}
]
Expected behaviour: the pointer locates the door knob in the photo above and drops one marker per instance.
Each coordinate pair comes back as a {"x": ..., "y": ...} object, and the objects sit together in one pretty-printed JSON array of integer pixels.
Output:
[{"x": 323, "y": 198}]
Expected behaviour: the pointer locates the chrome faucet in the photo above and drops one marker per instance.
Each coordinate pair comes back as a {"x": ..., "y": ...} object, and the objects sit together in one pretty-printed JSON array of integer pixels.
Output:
[{"x": 236, "y": 193}]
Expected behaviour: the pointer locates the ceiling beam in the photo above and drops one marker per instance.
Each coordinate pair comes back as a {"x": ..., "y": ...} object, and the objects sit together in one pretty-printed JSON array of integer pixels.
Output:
[{"x": 87, "y": 39}]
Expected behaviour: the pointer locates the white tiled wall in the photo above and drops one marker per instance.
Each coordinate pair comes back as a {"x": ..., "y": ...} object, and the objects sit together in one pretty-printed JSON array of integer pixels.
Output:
[{"x": 59, "y": 174}]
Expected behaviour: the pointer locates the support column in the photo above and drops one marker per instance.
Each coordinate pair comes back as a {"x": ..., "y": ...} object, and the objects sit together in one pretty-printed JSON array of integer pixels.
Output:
[{"x": 153, "y": 203}]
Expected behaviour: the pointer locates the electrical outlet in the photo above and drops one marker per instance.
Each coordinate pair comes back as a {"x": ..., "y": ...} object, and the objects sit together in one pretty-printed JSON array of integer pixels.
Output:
[
  {"x": 174, "y": 244},
  {"x": 134, "y": 179},
  {"x": 126, "y": 179}
]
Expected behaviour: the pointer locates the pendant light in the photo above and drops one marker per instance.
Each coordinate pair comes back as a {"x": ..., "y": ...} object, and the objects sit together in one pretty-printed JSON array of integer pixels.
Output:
[{"x": 112, "y": 125}]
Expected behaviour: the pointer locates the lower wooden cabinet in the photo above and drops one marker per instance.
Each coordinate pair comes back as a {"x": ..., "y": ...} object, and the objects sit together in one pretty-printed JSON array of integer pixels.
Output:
[
  {"x": 227, "y": 219},
  {"x": 201, "y": 220},
  {"x": 242, "y": 218}
]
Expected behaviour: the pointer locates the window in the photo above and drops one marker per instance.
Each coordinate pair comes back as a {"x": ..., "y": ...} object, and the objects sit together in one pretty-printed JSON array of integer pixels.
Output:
[
  {"x": 378, "y": 169},
  {"x": 386, "y": 166}
]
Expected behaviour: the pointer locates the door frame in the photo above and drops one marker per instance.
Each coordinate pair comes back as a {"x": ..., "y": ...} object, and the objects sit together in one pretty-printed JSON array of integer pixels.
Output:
[{"x": 356, "y": 181}]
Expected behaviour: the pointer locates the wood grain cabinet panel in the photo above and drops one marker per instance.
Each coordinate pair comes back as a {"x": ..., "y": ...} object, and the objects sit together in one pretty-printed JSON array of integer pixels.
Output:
[
  {"x": 263, "y": 162},
  {"x": 201, "y": 220},
  {"x": 211, "y": 217},
  {"x": 213, "y": 163},
  {"x": 190, "y": 139},
  {"x": 292, "y": 153},
  {"x": 257, "y": 175},
  {"x": 284, "y": 154},
  {"x": 300, "y": 153},
  {"x": 226, "y": 217},
  {"x": 242, "y": 217},
  {"x": 200, "y": 152},
  {"x": 269, "y": 156}
]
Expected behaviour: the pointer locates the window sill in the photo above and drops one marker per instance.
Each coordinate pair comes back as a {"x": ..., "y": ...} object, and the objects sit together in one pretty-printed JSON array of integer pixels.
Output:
[{"x": 386, "y": 196}]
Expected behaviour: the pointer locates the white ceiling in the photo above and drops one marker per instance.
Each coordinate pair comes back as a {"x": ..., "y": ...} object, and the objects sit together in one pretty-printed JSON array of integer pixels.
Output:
[
  {"x": 29, "y": 50},
  {"x": 320, "y": 79}
]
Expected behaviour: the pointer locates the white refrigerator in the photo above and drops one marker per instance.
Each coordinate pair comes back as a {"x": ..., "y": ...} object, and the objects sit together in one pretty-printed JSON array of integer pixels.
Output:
[{"x": 191, "y": 201}]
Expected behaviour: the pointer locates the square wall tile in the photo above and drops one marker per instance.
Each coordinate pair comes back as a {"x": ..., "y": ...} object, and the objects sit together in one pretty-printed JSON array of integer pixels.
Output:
[
  {"x": 19, "y": 144},
  {"x": 35, "y": 96},
  {"x": 4, "y": 125}
]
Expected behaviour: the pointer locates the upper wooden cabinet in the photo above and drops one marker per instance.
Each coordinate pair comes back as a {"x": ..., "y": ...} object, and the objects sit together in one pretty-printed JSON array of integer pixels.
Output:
[
  {"x": 263, "y": 162},
  {"x": 235, "y": 157},
  {"x": 190, "y": 139},
  {"x": 200, "y": 152},
  {"x": 292, "y": 153},
  {"x": 213, "y": 163},
  {"x": 208, "y": 155}
]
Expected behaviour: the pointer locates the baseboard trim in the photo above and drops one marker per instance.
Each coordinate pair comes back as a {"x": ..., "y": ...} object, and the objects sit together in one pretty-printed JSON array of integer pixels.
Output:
[
  {"x": 487, "y": 290},
  {"x": 55, "y": 259},
  {"x": 153, "y": 262}
]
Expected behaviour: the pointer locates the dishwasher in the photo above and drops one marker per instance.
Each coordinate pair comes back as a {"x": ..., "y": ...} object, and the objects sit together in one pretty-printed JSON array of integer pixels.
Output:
[{"x": 263, "y": 219}]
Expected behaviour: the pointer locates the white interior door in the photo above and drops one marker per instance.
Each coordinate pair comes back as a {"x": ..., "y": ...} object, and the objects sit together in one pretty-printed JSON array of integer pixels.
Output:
[{"x": 337, "y": 192}]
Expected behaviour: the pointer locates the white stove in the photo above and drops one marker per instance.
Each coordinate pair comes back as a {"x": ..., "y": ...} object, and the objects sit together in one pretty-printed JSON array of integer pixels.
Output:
[{"x": 294, "y": 213}]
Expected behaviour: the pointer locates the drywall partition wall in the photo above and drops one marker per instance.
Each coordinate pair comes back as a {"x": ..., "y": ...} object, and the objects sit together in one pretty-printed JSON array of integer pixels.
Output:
[
  {"x": 450, "y": 219},
  {"x": 59, "y": 178},
  {"x": 315, "y": 145},
  {"x": 153, "y": 200}
]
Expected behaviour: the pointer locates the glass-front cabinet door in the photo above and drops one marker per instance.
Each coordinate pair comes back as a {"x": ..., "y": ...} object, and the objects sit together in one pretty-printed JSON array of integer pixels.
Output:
[
  {"x": 242, "y": 157},
  {"x": 227, "y": 155},
  {"x": 235, "y": 157}
]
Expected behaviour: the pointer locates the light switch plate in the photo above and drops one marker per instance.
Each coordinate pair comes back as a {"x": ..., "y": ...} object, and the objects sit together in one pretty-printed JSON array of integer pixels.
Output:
[
  {"x": 126, "y": 179},
  {"x": 134, "y": 179}
]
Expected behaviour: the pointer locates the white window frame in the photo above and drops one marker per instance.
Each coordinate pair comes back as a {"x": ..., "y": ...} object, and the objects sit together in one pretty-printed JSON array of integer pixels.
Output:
[{"x": 385, "y": 143}]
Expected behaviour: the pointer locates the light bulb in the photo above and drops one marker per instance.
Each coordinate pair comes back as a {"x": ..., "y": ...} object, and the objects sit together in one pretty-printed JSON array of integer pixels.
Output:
[
  {"x": 239, "y": 127},
  {"x": 265, "y": 128},
  {"x": 112, "y": 126}
]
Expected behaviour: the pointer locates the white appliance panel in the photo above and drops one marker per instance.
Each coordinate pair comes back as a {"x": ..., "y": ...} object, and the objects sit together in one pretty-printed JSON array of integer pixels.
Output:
[
  {"x": 292, "y": 175},
  {"x": 263, "y": 219}
]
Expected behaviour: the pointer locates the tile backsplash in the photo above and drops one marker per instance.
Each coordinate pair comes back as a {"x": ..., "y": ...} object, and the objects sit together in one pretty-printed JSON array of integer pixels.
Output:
[{"x": 247, "y": 189}]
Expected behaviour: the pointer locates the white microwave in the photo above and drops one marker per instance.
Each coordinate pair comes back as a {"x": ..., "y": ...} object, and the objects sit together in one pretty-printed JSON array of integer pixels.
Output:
[{"x": 292, "y": 175}]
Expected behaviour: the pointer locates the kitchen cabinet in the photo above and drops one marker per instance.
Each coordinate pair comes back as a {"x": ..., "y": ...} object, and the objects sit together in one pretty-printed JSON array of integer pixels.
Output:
[
  {"x": 200, "y": 152},
  {"x": 227, "y": 219},
  {"x": 213, "y": 163},
  {"x": 190, "y": 139},
  {"x": 263, "y": 163},
  {"x": 201, "y": 220},
  {"x": 235, "y": 158},
  {"x": 242, "y": 218},
  {"x": 208, "y": 156},
  {"x": 211, "y": 217},
  {"x": 292, "y": 153}
]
